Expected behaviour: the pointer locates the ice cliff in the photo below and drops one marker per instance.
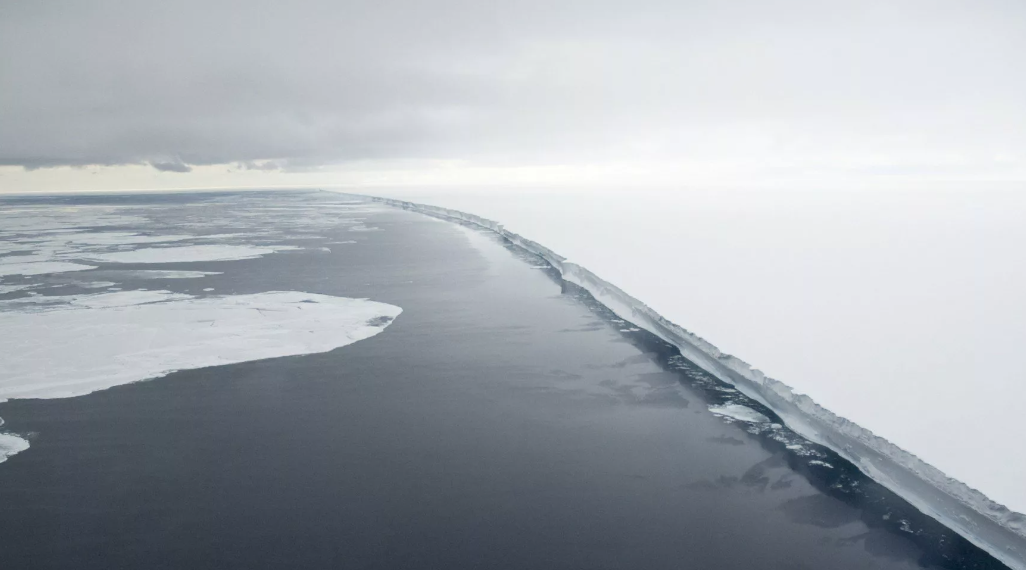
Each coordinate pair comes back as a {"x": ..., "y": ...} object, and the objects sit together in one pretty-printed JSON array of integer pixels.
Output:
[{"x": 987, "y": 524}]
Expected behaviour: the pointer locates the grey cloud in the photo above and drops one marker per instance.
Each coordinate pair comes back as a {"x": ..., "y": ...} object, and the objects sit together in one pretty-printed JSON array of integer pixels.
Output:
[
  {"x": 266, "y": 165},
  {"x": 313, "y": 82},
  {"x": 171, "y": 166}
]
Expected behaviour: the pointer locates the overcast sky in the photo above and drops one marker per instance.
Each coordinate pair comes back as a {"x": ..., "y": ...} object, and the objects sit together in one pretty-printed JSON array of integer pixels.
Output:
[{"x": 194, "y": 93}]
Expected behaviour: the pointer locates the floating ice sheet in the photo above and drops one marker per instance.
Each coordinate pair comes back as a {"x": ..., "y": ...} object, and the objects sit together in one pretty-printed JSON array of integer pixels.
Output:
[
  {"x": 190, "y": 253},
  {"x": 11, "y": 444},
  {"x": 121, "y": 238},
  {"x": 4, "y": 288},
  {"x": 739, "y": 412},
  {"x": 41, "y": 268},
  {"x": 161, "y": 274},
  {"x": 93, "y": 342}
]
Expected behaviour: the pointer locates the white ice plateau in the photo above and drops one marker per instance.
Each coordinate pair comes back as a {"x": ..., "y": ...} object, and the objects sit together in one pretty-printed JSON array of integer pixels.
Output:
[{"x": 899, "y": 318}]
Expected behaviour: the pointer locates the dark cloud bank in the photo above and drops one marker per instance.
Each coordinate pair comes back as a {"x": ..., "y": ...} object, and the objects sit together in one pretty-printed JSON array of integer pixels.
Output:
[{"x": 179, "y": 84}]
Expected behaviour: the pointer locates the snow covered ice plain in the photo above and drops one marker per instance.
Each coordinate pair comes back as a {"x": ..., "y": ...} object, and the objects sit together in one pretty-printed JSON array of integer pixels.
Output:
[{"x": 894, "y": 320}]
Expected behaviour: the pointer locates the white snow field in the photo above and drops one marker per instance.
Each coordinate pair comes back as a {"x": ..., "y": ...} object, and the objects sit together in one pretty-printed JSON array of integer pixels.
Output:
[
  {"x": 94, "y": 342},
  {"x": 894, "y": 320}
]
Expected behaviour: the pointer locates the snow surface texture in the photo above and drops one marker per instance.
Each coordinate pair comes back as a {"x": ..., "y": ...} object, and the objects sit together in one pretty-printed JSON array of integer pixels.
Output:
[
  {"x": 103, "y": 340},
  {"x": 874, "y": 304}
]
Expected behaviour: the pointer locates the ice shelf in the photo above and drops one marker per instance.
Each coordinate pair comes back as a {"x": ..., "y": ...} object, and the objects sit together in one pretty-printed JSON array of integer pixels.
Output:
[{"x": 984, "y": 522}]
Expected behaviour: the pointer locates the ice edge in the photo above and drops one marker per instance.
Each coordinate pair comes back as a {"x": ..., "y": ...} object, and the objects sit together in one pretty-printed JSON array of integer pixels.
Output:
[{"x": 989, "y": 525}]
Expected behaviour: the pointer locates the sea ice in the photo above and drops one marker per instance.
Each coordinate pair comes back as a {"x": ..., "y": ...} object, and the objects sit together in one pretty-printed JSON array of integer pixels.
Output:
[
  {"x": 161, "y": 274},
  {"x": 116, "y": 238},
  {"x": 189, "y": 253},
  {"x": 739, "y": 412},
  {"x": 41, "y": 268},
  {"x": 10, "y": 444},
  {"x": 4, "y": 289},
  {"x": 93, "y": 342}
]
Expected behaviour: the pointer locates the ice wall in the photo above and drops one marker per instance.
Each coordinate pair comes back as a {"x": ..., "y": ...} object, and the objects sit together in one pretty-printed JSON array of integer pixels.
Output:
[{"x": 991, "y": 526}]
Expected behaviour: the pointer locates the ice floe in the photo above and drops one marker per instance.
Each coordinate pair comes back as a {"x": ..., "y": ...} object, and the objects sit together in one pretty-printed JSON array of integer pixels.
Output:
[
  {"x": 161, "y": 274},
  {"x": 98, "y": 341},
  {"x": 739, "y": 412},
  {"x": 190, "y": 253},
  {"x": 11, "y": 444},
  {"x": 41, "y": 268},
  {"x": 116, "y": 238},
  {"x": 5, "y": 289}
]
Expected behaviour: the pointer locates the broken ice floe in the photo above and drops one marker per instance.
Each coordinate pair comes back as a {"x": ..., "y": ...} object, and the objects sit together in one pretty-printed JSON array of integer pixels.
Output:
[
  {"x": 739, "y": 412},
  {"x": 160, "y": 274},
  {"x": 41, "y": 268},
  {"x": 184, "y": 254},
  {"x": 115, "y": 238},
  {"x": 5, "y": 289},
  {"x": 99, "y": 341},
  {"x": 11, "y": 444}
]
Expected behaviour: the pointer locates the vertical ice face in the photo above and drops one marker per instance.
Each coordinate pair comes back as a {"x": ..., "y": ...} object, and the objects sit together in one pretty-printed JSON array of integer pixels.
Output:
[{"x": 988, "y": 524}]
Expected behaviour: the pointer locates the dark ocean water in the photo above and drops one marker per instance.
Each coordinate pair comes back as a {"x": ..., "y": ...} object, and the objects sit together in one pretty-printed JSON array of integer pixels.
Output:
[{"x": 504, "y": 420}]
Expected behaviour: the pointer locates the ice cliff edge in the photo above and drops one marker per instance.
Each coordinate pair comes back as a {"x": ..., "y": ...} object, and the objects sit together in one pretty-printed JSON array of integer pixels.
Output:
[{"x": 987, "y": 524}]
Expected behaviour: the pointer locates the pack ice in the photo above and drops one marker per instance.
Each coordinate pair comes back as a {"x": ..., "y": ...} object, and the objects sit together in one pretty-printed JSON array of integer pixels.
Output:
[{"x": 63, "y": 346}]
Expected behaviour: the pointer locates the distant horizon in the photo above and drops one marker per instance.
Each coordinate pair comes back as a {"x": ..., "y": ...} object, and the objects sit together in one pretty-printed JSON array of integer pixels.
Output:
[{"x": 117, "y": 95}]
